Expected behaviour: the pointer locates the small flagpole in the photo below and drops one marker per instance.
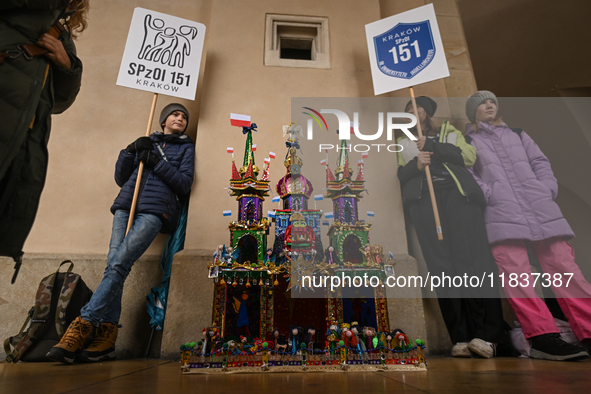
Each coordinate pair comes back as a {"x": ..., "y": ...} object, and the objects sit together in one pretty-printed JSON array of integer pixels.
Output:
[
  {"x": 427, "y": 171},
  {"x": 140, "y": 169}
]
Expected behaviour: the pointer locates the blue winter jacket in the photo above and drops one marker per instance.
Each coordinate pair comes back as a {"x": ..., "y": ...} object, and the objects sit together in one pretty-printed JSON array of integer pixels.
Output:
[{"x": 161, "y": 187}]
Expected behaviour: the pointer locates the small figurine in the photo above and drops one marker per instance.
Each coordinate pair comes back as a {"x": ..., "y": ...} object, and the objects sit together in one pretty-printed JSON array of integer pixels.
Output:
[
  {"x": 378, "y": 252},
  {"x": 401, "y": 337},
  {"x": 389, "y": 337},
  {"x": 333, "y": 336},
  {"x": 355, "y": 330},
  {"x": 294, "y": 339},
  {"x": 311, "y": 337},
  {"x": 269, "y": 257},
  {"x": 280, "y": 344},
  {"x": 347, "y": 336},
  {"x": 330, "y": 257},
  {"x": 218, "y": 254},
  {"x": 211, "y": 339},
  {"x": 371, "y": 341}
]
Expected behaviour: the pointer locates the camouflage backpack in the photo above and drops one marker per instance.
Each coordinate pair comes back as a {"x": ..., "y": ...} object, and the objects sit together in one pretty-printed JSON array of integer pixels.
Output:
[{"x": 59, "y": 298}]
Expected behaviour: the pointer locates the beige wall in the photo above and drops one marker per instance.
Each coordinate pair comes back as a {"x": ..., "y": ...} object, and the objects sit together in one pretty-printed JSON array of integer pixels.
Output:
[{"x": 74, "y": 212}]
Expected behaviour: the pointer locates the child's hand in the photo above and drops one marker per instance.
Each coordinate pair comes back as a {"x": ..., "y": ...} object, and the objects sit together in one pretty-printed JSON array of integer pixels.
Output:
[
  {"x": 423, "y": 160},
  {"x": 150, "y": 160},
  {"x": 421, "y": 143}
]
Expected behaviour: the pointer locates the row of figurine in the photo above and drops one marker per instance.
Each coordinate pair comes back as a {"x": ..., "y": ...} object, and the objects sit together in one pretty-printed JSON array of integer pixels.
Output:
[
  {"x": 365, "y": 341},
  {"x": 264, "y": 357},
  {"x": 373, "y": 255}
]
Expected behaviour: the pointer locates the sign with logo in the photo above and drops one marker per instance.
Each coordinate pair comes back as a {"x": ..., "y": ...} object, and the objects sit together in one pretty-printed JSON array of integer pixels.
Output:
[
  {"x": 162, "y": 54},
  {"x": 405, "y": 50}
]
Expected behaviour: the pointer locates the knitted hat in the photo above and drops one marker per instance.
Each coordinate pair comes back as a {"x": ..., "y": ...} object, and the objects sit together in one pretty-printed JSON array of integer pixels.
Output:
[
  {"x": 475, "y": 100},
  {"x": 428, "y": 104},
  {"x": 169, "y": 109}
]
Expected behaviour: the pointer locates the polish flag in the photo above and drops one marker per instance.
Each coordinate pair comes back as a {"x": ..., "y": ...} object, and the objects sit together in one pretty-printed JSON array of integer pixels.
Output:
[
  {"x": 267, "y": 160},
  {"x": 254, "y": 147},
  {"x": 323, "y": 162},
  {"x": 364, "y": 155},
  {"x": 272, "y": 155},
  {"x": 230, "y": 150},
  {"x": 240, "y": 120}
]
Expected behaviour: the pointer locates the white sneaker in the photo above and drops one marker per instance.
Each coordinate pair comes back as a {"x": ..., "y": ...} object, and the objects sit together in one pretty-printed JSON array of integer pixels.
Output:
[
  {"x": 482, "y": 348},
  {"x": 460, "y": 349}
]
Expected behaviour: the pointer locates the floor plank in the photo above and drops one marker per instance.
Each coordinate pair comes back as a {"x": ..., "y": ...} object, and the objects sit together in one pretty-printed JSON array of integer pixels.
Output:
[{"x": 444, "y": 375}]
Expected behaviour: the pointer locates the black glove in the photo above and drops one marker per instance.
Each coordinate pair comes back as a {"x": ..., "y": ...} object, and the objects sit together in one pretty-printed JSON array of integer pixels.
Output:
[
  {"x": 150, "y": 160},
  {"x": 142, "y": 143}
]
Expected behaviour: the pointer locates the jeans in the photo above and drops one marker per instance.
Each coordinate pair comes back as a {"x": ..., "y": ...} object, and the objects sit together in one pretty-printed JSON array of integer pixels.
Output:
[{"x": 105, "y": 304}]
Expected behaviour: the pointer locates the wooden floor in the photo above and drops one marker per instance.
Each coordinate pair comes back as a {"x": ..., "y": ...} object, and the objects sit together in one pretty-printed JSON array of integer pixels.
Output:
[{"x": 445, "y": 375}]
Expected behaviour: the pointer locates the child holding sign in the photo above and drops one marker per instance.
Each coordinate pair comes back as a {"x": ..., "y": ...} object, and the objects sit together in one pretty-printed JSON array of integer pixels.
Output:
[
  {"x": 520, "y": 188},
  {"x": 169, "y": 160},
  {"x": 473, "y": 316}
]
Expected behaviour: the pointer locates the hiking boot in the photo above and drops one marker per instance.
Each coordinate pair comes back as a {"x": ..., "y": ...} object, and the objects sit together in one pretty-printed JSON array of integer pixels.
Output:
[
  {"x": 482, "y": 348},
  {"x": 72, "y": 341},
  {"x": 460, "y": 349},
  {"x": 102, "y": 347},
  {"x": 552, "y": 347}
]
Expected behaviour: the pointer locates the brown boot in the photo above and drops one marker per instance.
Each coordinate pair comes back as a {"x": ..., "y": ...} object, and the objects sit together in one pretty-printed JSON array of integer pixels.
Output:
[
  {"x": 72, "y": 341},
  {"x": 102, "y": 347}
]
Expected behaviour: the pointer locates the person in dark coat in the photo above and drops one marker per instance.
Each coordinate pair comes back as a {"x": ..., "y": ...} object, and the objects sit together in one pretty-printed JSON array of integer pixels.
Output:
[
  {"x": 473, "y": 315},
  {"x": 169, "y": 160},
  {"x": 32, "y": 88}
]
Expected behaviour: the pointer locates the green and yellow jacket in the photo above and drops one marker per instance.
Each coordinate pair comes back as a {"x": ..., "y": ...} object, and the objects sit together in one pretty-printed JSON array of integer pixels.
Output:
[{"x": 452, "y": 151}]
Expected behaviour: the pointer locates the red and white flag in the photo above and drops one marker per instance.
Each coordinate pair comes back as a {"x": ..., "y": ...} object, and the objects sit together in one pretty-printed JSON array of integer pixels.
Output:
[
  {"x": 267, "y": 160},
  {"x": 240, "y": 120},
  {"x": 272, "y": 155},
  {"x": 364, "y": 155},
  {"x": 229, "y": 150},
  {"x": 254, "y": 147},
  {"x": 323, "y": 162}
]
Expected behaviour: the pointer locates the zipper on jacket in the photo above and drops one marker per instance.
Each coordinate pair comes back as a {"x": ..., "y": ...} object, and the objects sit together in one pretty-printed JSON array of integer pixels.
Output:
[{"x": 457, "y": 182}]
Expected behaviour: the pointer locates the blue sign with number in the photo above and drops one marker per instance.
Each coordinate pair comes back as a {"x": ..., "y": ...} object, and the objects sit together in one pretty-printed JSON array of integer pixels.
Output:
[{"x": 405, "y": 50}]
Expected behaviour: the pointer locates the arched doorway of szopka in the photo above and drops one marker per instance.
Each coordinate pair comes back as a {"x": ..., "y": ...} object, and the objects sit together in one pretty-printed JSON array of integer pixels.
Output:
[
  {"x": 248, "y": 249},
  {"x": 352, "y": 250},
  {"x": 301, "y": 308}
]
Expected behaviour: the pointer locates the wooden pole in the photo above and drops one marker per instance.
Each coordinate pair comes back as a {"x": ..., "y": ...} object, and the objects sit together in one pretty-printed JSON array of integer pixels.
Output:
[
  {"x": 427, "y": 171},
  {"x": 140, "y": 169}
]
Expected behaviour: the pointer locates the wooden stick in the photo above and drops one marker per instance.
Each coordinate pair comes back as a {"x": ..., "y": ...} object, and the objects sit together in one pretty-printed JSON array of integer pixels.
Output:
[
  {"x": 427, "y": 171},
  {"x": 140, "y": 169}
]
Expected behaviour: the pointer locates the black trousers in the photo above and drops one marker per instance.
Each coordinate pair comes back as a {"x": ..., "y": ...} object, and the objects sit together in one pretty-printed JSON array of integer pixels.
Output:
[{"x": 469, "y": 312}]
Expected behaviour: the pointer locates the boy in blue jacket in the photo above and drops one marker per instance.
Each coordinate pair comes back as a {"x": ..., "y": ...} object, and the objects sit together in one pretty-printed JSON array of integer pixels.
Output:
[{"x": 169, "y": 160}]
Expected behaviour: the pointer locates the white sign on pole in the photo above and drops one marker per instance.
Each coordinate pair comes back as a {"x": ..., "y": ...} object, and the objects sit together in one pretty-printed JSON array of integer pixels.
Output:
[
  {"x": 162, "y": 54},
  {"x": 405, "y": 50}
]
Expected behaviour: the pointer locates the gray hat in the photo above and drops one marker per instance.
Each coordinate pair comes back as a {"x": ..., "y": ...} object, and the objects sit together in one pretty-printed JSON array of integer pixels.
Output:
[
  {"x": 169, "y": 109},
  {"x": 475, "y": 100}
]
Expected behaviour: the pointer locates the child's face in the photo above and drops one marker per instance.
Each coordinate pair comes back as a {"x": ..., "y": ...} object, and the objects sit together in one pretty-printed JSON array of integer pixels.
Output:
[
  {"x": 175, "y": 123},
  {"x": 487, "y": 111},
  {"x": 422, "y": 115}
]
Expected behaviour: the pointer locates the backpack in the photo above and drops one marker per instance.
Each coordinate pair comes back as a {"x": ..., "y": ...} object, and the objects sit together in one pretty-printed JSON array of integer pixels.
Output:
[{"x": 59, "y": 299}]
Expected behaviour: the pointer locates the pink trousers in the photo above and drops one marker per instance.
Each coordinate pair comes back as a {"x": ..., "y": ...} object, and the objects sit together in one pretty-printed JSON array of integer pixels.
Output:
[{"x": 557, "y": 258}]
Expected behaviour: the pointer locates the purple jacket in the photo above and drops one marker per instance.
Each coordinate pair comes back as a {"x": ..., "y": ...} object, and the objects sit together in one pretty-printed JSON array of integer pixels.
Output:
[{"x": 518, "y": 184}]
